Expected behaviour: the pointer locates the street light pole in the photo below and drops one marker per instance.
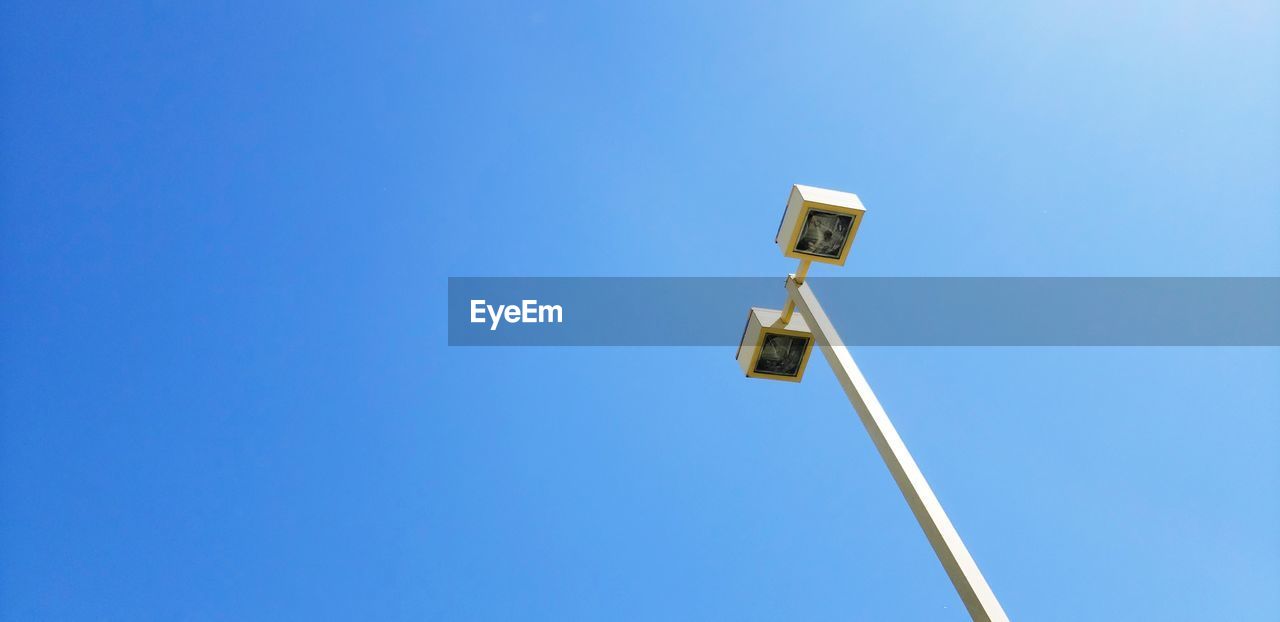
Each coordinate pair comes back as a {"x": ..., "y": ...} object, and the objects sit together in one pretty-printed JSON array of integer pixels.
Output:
[
  {"x": 963, "y": 571},
  {"x": 819, "y": 225}
]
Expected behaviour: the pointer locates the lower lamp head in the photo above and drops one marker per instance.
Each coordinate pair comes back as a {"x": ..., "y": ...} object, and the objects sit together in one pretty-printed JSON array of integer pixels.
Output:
[{"x": 773, "y": 350}]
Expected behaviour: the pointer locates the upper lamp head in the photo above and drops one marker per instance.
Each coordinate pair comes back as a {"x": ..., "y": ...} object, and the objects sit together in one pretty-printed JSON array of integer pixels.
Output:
[
  {"x": 773, "y": 350},
  {"x": 819, "y": 224}
]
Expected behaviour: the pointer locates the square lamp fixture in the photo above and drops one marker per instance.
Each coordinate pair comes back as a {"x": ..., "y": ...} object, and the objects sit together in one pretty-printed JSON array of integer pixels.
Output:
[
  {"x": 819, "y": 224},
  {"x": 772, "y": 350}
]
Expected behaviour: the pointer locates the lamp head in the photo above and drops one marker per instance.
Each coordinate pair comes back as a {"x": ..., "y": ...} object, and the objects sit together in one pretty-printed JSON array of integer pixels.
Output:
[
  {"x": 773, "y": 350},
  {"x": 819, "y": 224}
]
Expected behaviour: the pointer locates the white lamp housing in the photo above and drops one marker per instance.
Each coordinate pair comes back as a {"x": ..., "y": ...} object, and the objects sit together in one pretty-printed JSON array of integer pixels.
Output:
[
  {"x": 772, "y": 350},
  {"x": 819, "y": 224}
]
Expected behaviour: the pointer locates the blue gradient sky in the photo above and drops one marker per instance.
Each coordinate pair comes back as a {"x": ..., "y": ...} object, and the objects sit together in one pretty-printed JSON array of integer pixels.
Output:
[{"x": 226, "y": 235}]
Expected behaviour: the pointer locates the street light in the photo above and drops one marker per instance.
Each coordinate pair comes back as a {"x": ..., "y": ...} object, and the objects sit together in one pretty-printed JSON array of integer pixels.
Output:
[
  {"x": 819, "y": 225},
  {"x": 774, "y": 349}
]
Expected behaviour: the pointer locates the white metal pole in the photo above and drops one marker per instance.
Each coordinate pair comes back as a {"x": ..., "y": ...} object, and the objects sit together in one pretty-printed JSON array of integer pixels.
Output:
[{"x": 955, "y": 558}]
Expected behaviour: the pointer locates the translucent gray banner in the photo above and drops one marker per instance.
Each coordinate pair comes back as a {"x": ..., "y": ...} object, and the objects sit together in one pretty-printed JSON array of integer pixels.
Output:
[{"x": 980, "y": 311}]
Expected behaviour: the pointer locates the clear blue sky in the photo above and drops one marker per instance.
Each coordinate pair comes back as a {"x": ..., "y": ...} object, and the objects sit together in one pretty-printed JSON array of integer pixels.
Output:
[{"x": 226, "y": 235}]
